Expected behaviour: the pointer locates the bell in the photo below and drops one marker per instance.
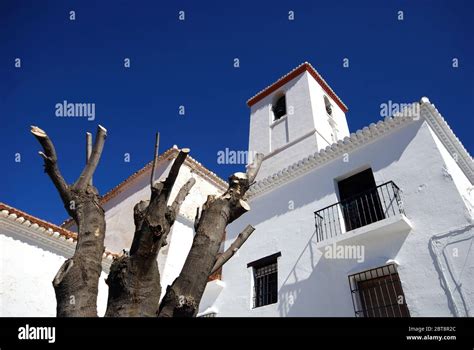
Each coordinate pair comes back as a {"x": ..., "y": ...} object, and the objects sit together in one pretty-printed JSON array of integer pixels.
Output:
[{"x": 329, "y": 109}]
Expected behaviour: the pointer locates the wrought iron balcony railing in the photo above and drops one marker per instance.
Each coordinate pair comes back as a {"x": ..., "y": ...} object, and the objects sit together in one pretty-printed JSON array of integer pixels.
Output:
[{"x": 360, "y": 210}]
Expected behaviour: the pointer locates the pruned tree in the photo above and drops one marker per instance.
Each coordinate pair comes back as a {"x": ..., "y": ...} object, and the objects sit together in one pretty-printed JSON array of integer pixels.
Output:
[
  {"x": 76, "y": 283},
  {"x": 183, "y": 296},
  {"x": 134, "y": 278}
]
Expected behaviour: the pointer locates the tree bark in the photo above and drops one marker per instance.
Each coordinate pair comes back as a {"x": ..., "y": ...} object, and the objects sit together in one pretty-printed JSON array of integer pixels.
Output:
[
  {"x": 229, "y": 253},
  {"x": 76, "y": 283},
  {"x": 134, "y": 278},
  {"x": 182, "y": 298}
]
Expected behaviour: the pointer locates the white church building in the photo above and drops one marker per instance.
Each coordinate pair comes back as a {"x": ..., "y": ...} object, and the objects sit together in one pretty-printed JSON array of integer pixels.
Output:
[{"x": 373, "y": 223}]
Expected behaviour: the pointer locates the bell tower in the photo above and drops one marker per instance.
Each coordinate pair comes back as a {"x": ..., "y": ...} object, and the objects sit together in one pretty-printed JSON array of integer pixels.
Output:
[{"x": 293, "y": 118}]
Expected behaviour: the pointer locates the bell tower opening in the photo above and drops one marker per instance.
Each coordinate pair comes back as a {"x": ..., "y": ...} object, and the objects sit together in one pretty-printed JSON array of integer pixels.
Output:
[
  {"x": 279, "y": 106},
  {"x": 328, "y": 105}
]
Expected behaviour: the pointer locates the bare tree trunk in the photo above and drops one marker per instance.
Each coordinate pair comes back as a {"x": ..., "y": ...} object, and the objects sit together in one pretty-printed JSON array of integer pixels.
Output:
[
  {"x": 182, "y": 298},
  {"x": 76, "y": 283},
  {"x": 134, "y": 279}
]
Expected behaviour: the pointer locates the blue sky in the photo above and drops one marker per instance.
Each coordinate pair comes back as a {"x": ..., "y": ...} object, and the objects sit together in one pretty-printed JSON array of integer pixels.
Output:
[{"x": 190, "y": 63}]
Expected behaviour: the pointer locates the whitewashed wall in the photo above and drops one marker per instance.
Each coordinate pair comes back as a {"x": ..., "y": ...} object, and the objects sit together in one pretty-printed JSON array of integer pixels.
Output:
[
  {"x": 26, "y": 274},
  {"x": 304, "y": 130},
  {"x": 320, "y": 117},
  {"x": 311, "y": 285},
  {"x": 462, "y": 183},
  {"x": 180, "y": 242}
]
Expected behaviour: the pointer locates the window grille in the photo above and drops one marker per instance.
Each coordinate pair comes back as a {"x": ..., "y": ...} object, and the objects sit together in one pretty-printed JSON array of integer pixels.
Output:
[
  {"x": 266, "y": 288},
  {"x": 265, "y": 274},
  {"x": 378, "y": 293}
]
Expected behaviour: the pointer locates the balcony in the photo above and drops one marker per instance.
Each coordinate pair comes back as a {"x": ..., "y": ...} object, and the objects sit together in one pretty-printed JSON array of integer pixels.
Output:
[{"x": 376, "y": 210}]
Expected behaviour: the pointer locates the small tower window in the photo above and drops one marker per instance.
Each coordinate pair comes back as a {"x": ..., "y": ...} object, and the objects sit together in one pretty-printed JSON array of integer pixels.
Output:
[
  {"x": 328, "y": 106},
  {"x": 279, "y": 107}
]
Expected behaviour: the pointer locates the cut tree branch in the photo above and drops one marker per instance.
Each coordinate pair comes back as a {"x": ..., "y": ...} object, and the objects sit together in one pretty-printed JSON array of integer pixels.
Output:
[
  {"x": 229, "y": 253},
  {"x": 254, "y": 167},
  {"x": 51, "y": 163},
  {"x": 173, "y": 174},
  {"x": 155, "y": 157},
  {"x": 93, "y": 161},
  {"x": 88, "y": 150},
  {"x": 180, "y": 197}
]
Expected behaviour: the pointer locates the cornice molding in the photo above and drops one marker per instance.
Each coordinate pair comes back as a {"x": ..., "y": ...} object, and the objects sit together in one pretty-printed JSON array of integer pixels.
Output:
[
  {"x": 363, "y": 137},
  {"x": 448, "y": 138}
]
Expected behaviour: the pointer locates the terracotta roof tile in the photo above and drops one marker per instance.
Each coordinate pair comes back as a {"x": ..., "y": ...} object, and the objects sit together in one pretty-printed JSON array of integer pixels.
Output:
[{"x": 41, "y": 225}]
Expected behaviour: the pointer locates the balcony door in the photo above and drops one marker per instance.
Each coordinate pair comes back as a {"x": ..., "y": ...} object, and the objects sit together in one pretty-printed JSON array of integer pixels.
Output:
[{"x": 360, "y": 200}]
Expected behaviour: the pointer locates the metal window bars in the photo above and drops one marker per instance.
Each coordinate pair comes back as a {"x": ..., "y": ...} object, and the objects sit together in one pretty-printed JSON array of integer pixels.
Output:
[
  {"x": 265, "y": 285},
  {"x": 378, "y": 293}
]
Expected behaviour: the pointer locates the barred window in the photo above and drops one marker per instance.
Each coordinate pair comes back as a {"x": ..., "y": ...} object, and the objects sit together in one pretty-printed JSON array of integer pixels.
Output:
[
  {"x": 378, "y": 293},
  {"x": 265, "y": 273}
]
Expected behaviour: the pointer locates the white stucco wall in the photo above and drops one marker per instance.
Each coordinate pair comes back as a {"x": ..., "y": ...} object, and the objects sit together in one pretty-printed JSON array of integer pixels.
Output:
[
  {"x": 320, "y": 116},
  {"x": 463, "y": 185},
  {"x": 26, "y": 274},
  {"x": 311, "y": 285},
  {"x": 304, "y": 130},
  {"x": 180, "y": 242}
]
